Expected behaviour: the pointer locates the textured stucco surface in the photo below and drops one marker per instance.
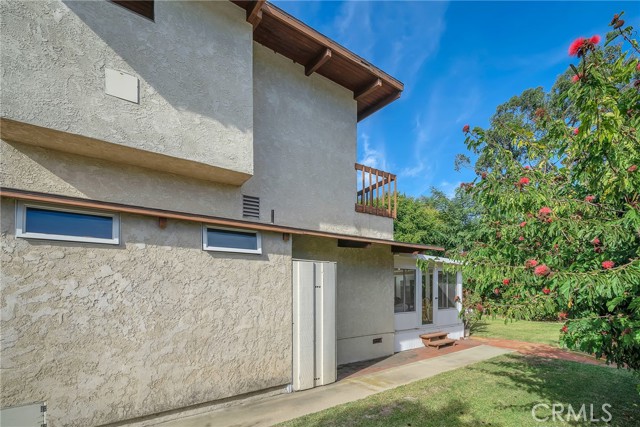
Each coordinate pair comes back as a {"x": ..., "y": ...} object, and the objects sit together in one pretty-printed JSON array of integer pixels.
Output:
[
  {"x": 364, "y": 298},
  {"x": 105, "y": 333},
  {"x": 305, "y": 149},
  {"x": 194, "y": 65}
]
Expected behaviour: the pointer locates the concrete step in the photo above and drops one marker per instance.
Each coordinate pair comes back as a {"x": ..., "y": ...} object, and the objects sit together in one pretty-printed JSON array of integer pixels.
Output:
[
  {"x": 434, "y": 335},
  {"x": 441, "y": 343}
]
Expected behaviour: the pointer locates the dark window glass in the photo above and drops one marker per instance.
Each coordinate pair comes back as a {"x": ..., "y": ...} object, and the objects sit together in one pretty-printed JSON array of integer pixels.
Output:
[
  {"x": 232, "y": 239},
  {"x": 405, "y": 290},
  {"x": 45, "y": 221}
]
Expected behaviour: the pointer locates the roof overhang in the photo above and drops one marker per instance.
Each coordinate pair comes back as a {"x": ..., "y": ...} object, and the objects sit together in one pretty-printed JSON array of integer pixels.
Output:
[
  {"x": 345, "y": 239},
  {"x": 274, "y": 28}
]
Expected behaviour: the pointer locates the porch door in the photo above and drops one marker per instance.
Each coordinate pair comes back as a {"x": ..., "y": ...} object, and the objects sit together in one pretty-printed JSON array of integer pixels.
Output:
[
  {"x": 429, "y": 303},
  {"x": 405, "y": 305},
  {"x": 314, "y": 324}
]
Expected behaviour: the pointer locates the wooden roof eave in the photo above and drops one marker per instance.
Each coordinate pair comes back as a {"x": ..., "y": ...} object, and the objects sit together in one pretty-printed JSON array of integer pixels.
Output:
[
  {"x": 373, "y": 88},
  {"x": 68, "y": 201}
]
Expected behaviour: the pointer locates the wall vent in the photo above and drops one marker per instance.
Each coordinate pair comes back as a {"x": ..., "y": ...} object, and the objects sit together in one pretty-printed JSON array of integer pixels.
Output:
[{"x": 250, "y": 207}]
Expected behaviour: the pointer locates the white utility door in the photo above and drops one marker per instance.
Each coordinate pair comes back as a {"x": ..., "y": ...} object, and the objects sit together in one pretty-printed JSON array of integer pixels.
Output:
[{"x": 314, "y": 324}]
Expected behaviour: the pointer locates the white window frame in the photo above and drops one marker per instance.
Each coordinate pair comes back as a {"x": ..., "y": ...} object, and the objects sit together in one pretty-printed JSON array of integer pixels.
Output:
[
  {"x": 21, "y": 222},
  {"x": 206, "y": 247}
]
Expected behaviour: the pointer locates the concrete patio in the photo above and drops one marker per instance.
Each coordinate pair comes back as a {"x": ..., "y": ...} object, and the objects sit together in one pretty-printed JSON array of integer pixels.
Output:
[{"x": 397, "y": 370}]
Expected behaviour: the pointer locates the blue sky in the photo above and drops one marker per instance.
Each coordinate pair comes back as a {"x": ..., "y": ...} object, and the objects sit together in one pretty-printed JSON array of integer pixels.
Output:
[{"x": 458, "y": 61}]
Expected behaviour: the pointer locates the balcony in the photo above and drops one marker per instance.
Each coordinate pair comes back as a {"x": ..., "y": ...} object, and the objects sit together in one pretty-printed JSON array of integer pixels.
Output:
[{"x": 377, "y": 192}]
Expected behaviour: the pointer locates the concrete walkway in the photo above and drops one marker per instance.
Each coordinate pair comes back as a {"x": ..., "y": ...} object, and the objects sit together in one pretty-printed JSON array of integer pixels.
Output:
[{"x": 276, "y": 409}]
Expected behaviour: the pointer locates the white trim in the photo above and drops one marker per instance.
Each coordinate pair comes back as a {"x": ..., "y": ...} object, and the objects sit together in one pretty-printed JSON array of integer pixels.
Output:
[
  {"x": 21, "y": 221},
  {"x": 206, "y": 247}
]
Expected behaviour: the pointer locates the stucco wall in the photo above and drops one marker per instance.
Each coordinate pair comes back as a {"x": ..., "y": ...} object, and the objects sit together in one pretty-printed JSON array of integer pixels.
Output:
[
  {"x": 364, "y": 302},
  {"x": 194, "y": 65},
  {"x": 305, "y": 149},
  {"x": 105, "y": 333}
]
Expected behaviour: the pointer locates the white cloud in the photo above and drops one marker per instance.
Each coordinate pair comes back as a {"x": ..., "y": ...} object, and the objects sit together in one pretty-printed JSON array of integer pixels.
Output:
[
  {"x": 449, "y": 188},
  {"x": 372, "y": 156}
]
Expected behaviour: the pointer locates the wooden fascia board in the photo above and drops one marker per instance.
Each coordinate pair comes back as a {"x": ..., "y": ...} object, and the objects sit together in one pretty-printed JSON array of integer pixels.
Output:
[
  {"x": 205, "y": 219},
  {"x": 384, "y": 102},
  {"x": 317, "y": 62}
]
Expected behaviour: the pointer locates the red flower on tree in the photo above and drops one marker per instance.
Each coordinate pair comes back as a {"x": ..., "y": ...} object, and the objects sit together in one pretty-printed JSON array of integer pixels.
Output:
[
  {"x": 465, "y": 128},
  {"x": 542, "y": 270},
  {"x": 496, "y": 291},
  {"x": 632, "y": 168},
  {"x": 523, "y": 223},
  {"x": 546, "y": 291},
  {"x": 575, "y": 46},
  {"x": 524, "y": 181},
  {"x": 506, "y": 281},
  {"x": 544, "y": 210},
  {"x": 576, "y": 131},
  {"x": 564, "y": 329},
  {"x": 521, "y": 238},
  {"x": 608, "y": 264},
  {"x": 562, "y": 315},
  {"x": 595, "y": 242},
  {"x": 576, "y": 78},
  {"x": 594, "y": 39},
  {"x": 530, "y": 263},
  {"x": 589, "y": 199}
]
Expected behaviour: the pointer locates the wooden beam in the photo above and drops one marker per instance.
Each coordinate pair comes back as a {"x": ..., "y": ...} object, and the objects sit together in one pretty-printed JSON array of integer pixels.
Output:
[
  {"x": 317, "y": 62},
  {"x": 367, "y": 90},
  {"x": 254, "y": 13},
  {"x": 344, "y": 243},
  {"x": 375, "y": 107},
  {"x": 198, "y": 218}
]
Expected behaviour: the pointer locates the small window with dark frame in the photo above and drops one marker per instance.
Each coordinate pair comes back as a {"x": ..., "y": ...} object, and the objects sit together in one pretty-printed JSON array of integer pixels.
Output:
[
  {"x": 231, "y": 240},
  {"x": 36, "y": 221},
  {"x": 145, "y": 8}
]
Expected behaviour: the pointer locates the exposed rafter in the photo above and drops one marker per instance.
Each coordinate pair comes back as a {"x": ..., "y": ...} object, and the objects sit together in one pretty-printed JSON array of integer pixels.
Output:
[
  {"x": 372, "y": 109},
  {"x": 317, "y": 62},
  {"x": 254, "y": 13},
  {"x": 367, "y": 90}
]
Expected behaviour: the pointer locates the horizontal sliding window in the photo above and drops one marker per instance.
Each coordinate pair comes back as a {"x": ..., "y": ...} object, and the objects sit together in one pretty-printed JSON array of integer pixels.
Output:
[
  {"x": 231, "y": 240},
  {"x": 52, "y": 223}
]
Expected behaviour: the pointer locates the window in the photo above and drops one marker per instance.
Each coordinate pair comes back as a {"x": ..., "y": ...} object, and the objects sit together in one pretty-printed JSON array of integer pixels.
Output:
[
  {"x": 75, "y": 225},
  {"x": 231, "y": 240},
  {"x": 446, "y": 289},
  {"x": 141, "y": 7},
  {"x": 405, "y": 290}
]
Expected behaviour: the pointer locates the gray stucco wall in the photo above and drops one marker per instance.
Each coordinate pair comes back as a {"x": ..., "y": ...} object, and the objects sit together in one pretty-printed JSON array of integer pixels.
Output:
[
  {"x": 194, "y": 65},
  {"x": 106, "y": 333},
  {"x": 305, "y": 149},
  {"x": 364, "y": 298}
]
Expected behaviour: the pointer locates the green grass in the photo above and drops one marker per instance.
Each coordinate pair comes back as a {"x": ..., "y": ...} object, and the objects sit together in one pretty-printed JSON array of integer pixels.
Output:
[
  {"x": 521, "y": 330},
  {"x": 499, "y": 392}
]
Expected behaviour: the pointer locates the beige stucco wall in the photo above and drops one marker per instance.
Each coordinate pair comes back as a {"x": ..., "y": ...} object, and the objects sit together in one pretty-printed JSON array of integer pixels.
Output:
[
  {"x": 194, "y": 65},
  {"x": 364, "y": 298},
  {"x": 105, "y": 333}
]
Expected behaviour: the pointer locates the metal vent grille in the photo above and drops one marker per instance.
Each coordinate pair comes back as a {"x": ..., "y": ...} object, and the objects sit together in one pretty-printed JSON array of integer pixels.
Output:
[{"x": 251, "y": 207}]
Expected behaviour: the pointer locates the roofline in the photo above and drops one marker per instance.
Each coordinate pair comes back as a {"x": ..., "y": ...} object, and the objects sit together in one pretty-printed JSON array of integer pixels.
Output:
[
  {"x": 205, "y": 219},
  {"x": 335, "y": 47}
]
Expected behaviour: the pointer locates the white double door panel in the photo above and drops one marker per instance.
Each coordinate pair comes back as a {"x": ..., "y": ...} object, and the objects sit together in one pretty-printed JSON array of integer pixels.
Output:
[{"x": 314, "y": 324}]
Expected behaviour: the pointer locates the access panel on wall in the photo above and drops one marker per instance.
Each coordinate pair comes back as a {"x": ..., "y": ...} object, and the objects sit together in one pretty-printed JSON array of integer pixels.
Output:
[{"x": 314, "y": 324}]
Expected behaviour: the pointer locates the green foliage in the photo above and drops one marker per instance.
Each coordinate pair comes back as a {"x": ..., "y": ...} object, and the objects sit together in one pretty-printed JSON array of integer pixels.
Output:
[
  {"x": 558, "y": 234},
  {"x": 434, "y": 220}
]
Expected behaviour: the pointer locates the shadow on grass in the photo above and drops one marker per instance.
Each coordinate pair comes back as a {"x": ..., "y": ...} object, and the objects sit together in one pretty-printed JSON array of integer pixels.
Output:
[
  {"x": 479, "y": 327},
  {"x": 568, "y": 383},
  {"x": 405, "y": 412}
]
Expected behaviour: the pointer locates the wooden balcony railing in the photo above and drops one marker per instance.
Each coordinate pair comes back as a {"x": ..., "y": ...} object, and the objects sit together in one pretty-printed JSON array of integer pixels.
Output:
[{"x": 377, "y": 192}]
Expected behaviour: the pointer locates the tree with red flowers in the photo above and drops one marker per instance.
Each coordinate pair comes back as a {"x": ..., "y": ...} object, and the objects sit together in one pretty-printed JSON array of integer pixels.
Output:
[{"x": 559, "y": 224}]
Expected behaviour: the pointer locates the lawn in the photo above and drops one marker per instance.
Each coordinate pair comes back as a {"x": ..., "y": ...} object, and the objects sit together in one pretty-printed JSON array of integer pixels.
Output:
[
  {"x": 499, "y": 392},
  {"x": 521, "y": 330}
]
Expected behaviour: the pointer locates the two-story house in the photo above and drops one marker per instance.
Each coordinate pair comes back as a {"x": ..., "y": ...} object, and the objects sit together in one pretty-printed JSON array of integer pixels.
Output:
[{"x": 182, "y": 221}]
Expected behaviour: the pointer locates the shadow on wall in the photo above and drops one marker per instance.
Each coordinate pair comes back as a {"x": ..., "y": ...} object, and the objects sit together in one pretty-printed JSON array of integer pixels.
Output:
[
  {"x": 97, "y": 179},
  {"x": 191, "y": 55}
]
